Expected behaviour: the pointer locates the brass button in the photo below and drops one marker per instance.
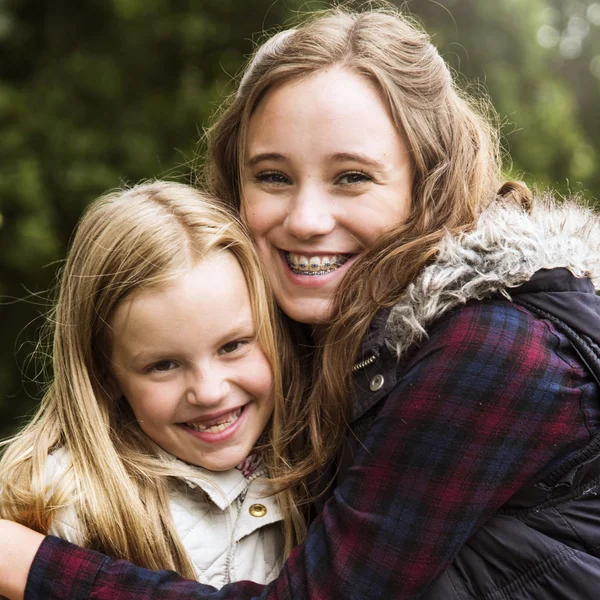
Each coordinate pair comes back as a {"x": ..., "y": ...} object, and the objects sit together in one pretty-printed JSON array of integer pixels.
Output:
[
  {"x": 376, "y": 383},
  {"x": 258, "y": 510}
]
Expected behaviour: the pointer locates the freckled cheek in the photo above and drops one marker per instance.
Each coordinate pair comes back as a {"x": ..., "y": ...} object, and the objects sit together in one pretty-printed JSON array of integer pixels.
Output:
[
  {"x": 250, "y": 210},
  {"x": 262, "y": 214},
  {"x": 253, "y": 224}
]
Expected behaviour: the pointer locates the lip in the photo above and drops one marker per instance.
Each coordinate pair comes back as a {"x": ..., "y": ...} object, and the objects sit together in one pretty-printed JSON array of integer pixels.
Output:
[
  {"x": 218, "y": 436},
  {"x": 314, "y": 252},
  {"x": 206, "y": 419},
  {"x": 318, "y": 280}
]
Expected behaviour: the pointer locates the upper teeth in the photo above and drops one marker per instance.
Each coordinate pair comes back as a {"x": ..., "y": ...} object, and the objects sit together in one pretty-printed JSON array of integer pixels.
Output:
[
  {"x": 314, "y": 264},
  {"x": 218, "y": 426}
]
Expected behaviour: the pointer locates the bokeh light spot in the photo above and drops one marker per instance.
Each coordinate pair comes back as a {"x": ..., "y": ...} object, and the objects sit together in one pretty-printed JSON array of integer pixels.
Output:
[
  {"x": 593, "y": 13},
  {"x": 595, "y": 66},
  {"x": 570, "y": 47},
  {"x": 547, "y": 36}
]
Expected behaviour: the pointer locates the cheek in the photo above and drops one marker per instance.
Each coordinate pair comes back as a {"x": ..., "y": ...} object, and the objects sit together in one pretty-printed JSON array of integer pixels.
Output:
[
  {"x": 384, "y": 212},
  {"x": 259, "y": 380},
  {"x": 248, "y": 210},
  {"x": 150, "y": 403},
  {"x": 261, "y": 213},
  {"x": 254, "y": 224}
]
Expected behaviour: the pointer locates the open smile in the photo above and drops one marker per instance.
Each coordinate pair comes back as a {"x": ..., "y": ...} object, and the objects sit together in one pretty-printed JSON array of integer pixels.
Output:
[
  {"x": 312, "y": 265},
  {"x": 215, "y": 428},
  {"x": 217, "y": 424}
]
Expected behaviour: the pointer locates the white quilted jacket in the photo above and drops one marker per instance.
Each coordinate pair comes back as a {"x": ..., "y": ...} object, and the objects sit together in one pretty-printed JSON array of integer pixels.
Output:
[{"x": 229, "y": 530}]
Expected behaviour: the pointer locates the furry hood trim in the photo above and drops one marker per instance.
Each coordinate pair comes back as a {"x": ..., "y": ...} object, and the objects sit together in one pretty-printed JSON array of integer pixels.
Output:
[{"x": 506, "y": 248}]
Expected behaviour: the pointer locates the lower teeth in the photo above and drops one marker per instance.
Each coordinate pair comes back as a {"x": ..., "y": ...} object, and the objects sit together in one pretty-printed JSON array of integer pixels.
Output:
[
  {"x": 216, "y": 428},
  {"x": 297, "y": 272}
]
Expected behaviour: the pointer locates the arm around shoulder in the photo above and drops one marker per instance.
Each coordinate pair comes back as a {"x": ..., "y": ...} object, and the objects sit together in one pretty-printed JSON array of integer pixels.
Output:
[{"x": 20, "y": 546}]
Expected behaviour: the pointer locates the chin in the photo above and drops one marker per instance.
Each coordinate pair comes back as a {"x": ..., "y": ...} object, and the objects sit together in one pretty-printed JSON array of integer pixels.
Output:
[
  {"x": 311, "y": 313},
  {"x": 219, "y": 465},
  {"x": 213, "y": 463}
]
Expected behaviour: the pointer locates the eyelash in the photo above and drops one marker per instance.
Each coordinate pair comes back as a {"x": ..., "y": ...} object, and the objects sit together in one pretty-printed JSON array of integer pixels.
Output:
[
  {"x": 364, "y": 177},
  {"x": 154, "y": 368},
  {"x": 268, "y": 177},
  {"x": 277, "y": 178},
  {"x": 237, "y": 343}
]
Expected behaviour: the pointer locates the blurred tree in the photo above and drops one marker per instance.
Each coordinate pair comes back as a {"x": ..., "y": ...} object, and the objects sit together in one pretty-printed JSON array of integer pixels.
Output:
[
  {"x": 93, "y": 95},
  {"x": 533, "y": 58},
  {"x": 99, "y": 93}
]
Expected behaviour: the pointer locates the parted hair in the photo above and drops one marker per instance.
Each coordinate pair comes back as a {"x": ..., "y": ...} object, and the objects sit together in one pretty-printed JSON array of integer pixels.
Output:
[
  {"x": 453, "y": 143},
  {"x": 128, "y": 240}
]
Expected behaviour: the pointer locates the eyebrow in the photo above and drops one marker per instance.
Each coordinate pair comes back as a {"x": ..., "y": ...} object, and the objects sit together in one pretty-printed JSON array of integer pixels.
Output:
[
  {"x": 337, "y": 157},
  {"x": 272, "y": 156},
  {"x": 145, "y": 356},
  {"x": 358, "y": 157}
]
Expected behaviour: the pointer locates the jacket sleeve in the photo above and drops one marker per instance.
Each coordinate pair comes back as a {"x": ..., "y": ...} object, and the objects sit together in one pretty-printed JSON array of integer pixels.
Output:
[{"x": 472, "y": 417}]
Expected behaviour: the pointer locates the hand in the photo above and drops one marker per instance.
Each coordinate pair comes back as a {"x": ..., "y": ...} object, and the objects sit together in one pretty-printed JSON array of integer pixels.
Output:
[{"x": 20, "y": 546}]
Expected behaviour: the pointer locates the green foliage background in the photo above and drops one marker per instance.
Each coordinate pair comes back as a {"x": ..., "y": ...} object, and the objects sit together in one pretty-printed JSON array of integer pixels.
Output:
[{"x": 98, "y": 93}]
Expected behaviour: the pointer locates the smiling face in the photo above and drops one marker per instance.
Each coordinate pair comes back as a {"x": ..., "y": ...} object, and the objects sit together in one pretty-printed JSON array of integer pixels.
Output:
[
  {"x": 186, "y": 359},
  {"x": 325, "y": 173}
]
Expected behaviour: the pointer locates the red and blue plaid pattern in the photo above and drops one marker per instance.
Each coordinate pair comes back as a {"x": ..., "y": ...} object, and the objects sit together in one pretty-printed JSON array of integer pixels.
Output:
[{"x": 491, "y": 399}]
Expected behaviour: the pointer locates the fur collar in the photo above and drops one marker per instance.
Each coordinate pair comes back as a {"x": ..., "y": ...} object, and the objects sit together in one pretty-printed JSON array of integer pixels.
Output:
[{"x": 506, "y": 248}]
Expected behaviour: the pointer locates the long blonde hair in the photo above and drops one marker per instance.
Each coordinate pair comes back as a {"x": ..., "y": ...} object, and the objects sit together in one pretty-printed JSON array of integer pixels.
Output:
[
  {"x": 456, "y": 170},
  {"x": 127, "y": 240}
]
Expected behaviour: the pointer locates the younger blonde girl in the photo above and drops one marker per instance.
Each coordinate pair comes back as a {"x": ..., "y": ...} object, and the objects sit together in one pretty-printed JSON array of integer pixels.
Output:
[{"x": 167, "y": 364}]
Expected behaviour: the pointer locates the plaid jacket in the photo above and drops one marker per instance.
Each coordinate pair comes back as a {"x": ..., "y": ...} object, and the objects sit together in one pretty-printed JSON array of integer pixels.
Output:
[
  {"x": 459, "y": 428},
  {"x": 446, "y": 428}
]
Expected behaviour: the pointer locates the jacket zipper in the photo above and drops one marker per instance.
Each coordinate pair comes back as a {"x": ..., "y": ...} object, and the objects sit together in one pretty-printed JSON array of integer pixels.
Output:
[{"x": 365, "y": 363}]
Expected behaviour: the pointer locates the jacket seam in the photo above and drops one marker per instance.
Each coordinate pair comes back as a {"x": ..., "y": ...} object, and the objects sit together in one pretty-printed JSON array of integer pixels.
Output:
[
  {"x": 548, "y": 321},
  {"x": 559, "y": 352},
  {"x": 532, "y": 574},
  {"x": 580, "y": 491},
  {"x": 593, "y": 445},
  {"x": 568, "y": 524},
  {"x": 461, "y": 594}
]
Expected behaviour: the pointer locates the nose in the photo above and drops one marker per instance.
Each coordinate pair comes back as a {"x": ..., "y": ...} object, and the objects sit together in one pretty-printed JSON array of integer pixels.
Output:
[
  {"x": 206, "y": 387},
  {"x": 311, "y": 213}
]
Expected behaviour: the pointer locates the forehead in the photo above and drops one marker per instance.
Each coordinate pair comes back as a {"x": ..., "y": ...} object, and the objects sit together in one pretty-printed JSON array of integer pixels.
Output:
[
  {"x": 333, "y": 107},
  {"x": 213, "y": 291}
]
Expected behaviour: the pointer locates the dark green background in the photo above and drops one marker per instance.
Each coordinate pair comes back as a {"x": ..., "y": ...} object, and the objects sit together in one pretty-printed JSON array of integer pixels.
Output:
[{"x": 98, "y": 93}]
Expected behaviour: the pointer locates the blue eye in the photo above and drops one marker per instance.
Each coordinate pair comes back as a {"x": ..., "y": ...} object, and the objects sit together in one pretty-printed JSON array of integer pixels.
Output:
[{"x": 354, "y": 177}]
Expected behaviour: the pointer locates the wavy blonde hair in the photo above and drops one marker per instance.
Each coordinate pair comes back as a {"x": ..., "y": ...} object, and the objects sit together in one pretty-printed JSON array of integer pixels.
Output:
[
  {"x": 456, "y": 169},
  {"x": 127, "y": 240}
]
